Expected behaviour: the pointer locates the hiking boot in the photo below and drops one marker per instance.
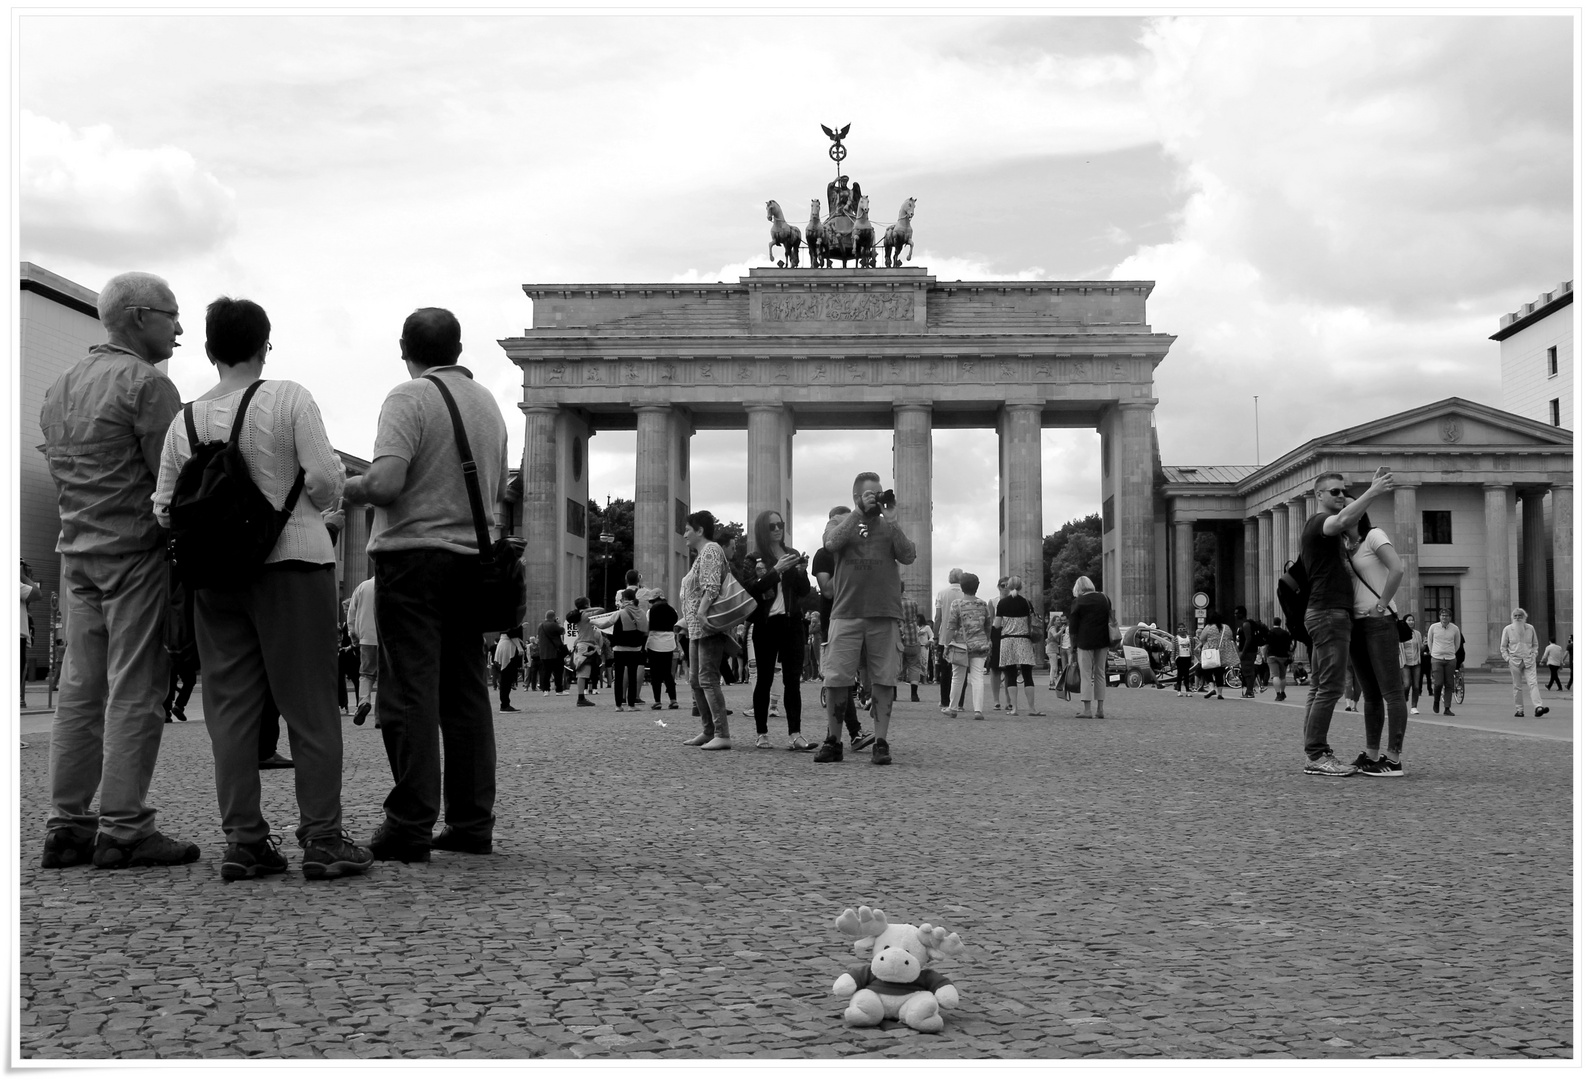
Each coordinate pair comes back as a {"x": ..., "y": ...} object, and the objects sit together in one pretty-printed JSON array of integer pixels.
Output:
[
  {"x": 863, "y": 740},
  {"x": 152, "y": 850},
  {"x": 829, "y": 751},
  {"x": 252, "y": 860},
  {"x": 451, "y": 839},
  {"x": 67, "y": 847},
  {"x": 337, "y": 856},
  {"x": 882, "y": 753},
  {"x": 1328, "y": 765},
  {"x": 390, "y": 848}
]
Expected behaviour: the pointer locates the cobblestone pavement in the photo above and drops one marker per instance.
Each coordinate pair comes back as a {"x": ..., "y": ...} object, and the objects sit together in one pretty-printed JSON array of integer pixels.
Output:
[{"x": 1163, "y": 883}]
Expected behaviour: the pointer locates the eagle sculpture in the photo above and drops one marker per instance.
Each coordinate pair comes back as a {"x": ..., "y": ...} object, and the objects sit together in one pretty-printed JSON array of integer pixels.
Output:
[{"x": 836, "y": 136}]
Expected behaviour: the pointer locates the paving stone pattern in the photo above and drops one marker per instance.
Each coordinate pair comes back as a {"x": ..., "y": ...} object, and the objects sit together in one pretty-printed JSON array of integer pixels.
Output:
[{"x": 1163, "y": 883}]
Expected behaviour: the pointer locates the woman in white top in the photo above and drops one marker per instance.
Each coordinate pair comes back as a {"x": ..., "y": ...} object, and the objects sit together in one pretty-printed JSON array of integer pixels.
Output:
[
  {"x": 1375, "y": 653},
  {"x": 278, "y": 633},
  {"x": 1183, "y": 683},
  {"x": 1519, "y": 644}
]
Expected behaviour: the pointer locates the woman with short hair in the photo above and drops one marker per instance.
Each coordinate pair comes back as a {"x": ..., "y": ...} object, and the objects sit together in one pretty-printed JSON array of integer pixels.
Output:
[
  {"x": 699, "y": 589},
  {"x": 1088, "y": 625}
]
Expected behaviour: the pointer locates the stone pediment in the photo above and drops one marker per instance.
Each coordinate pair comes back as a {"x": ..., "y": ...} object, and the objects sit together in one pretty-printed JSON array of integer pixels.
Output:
[{"x": 1453, "y": 424}]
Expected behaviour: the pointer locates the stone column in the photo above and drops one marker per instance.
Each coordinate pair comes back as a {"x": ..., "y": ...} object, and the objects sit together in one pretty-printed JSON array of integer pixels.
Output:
[
  {"x": 1019, "y": 433},
  {"x": 1497, "y": 570},
  {"x": 1250, "y": 591},
  {"x": 1405, "y": 535},
  {"x": 1283, "y": 546},
  {"x": 1136, "y": 514},
  {"x": 1183, "y": 574},
  {"x": 1536, "y": 594},
  {"x": 1561, "y": 556},
  {"x": 769, "y": 431},
  {"x": 1266, "y": 576},
  {"x": 541, "y": 513},
  {"x": 654, "y": 525},
  {"x": 911, "y": 467},
  {"x": 1297, "y": 509}
]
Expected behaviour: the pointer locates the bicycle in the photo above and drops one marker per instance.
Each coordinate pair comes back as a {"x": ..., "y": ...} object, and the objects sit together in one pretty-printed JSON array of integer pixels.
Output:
[{"x": 1458, "y": 688}]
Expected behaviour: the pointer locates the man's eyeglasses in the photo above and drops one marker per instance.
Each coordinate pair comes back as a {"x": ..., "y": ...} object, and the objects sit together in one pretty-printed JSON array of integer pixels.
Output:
[
  {"x": 1334, "y": 491},
  {"x": 172, "y": 315}
]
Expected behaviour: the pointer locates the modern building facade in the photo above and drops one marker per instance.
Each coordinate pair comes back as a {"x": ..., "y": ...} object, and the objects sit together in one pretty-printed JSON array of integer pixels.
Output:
[
  {"x": 1462, "y": 470},
  {"x": 1536, "y": 368}
]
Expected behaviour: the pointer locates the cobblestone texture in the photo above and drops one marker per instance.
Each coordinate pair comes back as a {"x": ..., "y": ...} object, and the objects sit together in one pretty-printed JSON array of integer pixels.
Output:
[{"x": 1164, "y": 883}]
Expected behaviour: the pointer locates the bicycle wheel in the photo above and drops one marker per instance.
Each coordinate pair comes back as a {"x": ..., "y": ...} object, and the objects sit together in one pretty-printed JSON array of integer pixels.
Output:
[
  {"x": 1460, "y": 693},
  {"x": 1231, "y": 678}
]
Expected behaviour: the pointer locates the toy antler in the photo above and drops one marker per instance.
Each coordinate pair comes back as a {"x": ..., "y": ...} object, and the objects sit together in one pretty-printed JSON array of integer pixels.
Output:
[
  {"x": 862, "y": 922},
  {"x": 936, "y": 939}
]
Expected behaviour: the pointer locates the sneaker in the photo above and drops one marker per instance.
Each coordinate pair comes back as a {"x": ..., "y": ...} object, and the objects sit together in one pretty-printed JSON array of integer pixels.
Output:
[
  {"x": 562, "y": 693},
  {"x": 1328, "y": 765},
  {"x": 1541, "y": 710},
  {"x": 863, "y": 741},
  {"x": 583, "y": 703},
  {"x": 276, "y": 761},
  {"x": 676, "y": 705},
  {"x": 951, "y": 714},
  {"x": 830, "y": 751},
  {"x": 979, "y": 715},
  {"x": 252, "y": 860},
  {"x": 1279, "y": 696},
  {"x": 763, "y": 743},
  {"x": 1389, "y": 768},
  {"x": 882, "y": 753},
  {"x": 1449, "y": 713},
  {"x": 389, "y": 848},
  {"x": 1366, "y": 765},
  {"x": 361, "y": 713},
  {"x": 545, "y": 693},
  {"x": 337, "y": 856},
  {"x": 451, "y": 839},
  {"x": 507, "y": 708},
  {"x": 1519, "y": 713},
  {"x": 152, "y": 850},
  {"x": 797, "y": 742},
  {"x": 67, "y": 847},
  {"x": 747, "y": 712}
]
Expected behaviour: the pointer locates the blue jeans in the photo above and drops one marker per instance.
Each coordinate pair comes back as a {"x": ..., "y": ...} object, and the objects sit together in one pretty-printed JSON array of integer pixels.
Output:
[
  {"x": 434, "y": 684},
  {"x": 707, "y": 653},
  {"x": 1444, "y": 679},
  {"x": 109, "y": 720},
  {"x": 1329, "y": 629},
  {"x": 1375, "y": 656}
]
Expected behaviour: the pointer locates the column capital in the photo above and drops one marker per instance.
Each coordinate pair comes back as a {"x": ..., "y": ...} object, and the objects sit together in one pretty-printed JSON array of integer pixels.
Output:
[
  {"x": 540, "y": 407},
  {"x": 1023, "y": 406},
  {"x": 1496, "y": 487},
  {"x": 1407, "y": 486},
  {"x": 911, "y": 406},
  {"x": 652, "y": 406},
  {"x": 1149, "y": 404}
]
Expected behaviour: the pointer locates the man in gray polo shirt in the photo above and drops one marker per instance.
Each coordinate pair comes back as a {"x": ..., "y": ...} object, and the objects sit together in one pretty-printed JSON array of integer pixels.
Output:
[{"x": 423, "y": 542}]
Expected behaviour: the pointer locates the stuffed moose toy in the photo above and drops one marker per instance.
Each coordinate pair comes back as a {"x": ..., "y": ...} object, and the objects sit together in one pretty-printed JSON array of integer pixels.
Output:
[{"x": 897, "y": 981}]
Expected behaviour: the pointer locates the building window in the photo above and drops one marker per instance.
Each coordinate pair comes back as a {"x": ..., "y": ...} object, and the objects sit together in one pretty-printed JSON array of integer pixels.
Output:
[
  {"x": 1555, "y": 365},
  {"x": 575, "y": 518},
  {"x": 1555, "y": 411},
  {"x": 1436, "y": 526},
  {"x": 1435, "y": 597}
]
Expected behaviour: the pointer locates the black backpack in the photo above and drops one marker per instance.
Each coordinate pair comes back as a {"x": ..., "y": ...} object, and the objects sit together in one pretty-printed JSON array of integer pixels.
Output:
[
  {"x": 1293, "y": 589},
  {"x": 223, "y": 528}
]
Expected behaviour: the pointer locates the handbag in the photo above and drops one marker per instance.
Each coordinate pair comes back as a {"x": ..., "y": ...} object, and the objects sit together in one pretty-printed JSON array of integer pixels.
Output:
[
  {"x": 957, "y": 655},
  {"x": 1210, "y": 659},
  {"x": 1069, "y": 684},
  {"x": 499, "y": 599},
  {"x": 1115, "y": 636},
  {"x": 733, "y": 604},
  {"x": 1037, "y": 626}
]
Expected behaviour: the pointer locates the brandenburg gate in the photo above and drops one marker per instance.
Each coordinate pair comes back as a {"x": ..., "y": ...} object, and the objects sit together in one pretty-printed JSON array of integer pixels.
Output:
[{"x": 829, "y": 348}]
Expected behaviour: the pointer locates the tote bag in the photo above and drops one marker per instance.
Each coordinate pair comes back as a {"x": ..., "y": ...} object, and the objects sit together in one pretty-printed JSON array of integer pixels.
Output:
[
  {"x": 733, "y": 604},
  {"x": 1210, "y": 659}
]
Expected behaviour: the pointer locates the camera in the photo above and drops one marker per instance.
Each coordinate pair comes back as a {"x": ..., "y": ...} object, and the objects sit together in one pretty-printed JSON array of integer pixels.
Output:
[{"x": 888, "y": 498}]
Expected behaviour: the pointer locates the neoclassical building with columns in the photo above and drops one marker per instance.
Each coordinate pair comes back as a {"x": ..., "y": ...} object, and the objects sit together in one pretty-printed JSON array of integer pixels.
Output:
[
  {"x": 1461, "y": 469},
  {"x": 782, "y": 349}
]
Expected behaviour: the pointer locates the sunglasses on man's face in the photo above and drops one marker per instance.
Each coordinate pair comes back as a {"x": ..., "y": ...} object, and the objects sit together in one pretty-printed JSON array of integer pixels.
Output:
[{"x": 1333, "y": 491}]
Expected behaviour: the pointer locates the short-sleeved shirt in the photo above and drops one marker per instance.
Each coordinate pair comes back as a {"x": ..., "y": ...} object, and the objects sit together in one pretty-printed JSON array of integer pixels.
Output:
[
  {"x": 824, "y": 562},
  {"x": 1331, "y": 584},
  {"x": 1371, "y": 574},
  {"x": 104, "y": 421},
  {"x": 433, "y": 510}
]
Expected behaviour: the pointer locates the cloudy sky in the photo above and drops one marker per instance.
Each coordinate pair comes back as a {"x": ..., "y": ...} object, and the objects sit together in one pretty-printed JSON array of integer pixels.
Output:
[{"x": 1336, "y": 210}]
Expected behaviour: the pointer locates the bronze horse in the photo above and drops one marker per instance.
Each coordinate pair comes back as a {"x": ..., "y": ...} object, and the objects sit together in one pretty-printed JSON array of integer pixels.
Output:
[
  {"x": 900, "y": 235},
  {"x": 787, "y": 236},
  {"x": 813, "y": 236}
]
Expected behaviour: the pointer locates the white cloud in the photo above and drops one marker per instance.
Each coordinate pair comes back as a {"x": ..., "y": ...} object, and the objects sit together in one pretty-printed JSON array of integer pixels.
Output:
[{"x": 86, "y": 193}]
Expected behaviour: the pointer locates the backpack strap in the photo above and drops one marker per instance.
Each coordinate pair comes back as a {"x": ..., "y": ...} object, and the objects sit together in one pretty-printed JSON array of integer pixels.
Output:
[
  {"x": 193, "y": 433},
  {"x": 472, "y": 485},
  {"x": 232, "y": 440}
]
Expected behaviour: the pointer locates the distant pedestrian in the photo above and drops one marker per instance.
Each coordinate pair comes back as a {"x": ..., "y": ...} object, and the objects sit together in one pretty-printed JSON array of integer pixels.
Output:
[
  {"x": 943, "y": 603},
  {"x": 823, "y": 567},
  {"x": 550, "y": 654},
  {"x": 1057, "y": 646},
  {"x": 660, "y": 645},
  {"x": 1519, "y": 644},
  {"x": 966, "y": 629},
  {"x": 1554, "y": 655},
  {"x": 1248, "y": 638},
  {"x": 1280, "y": 649},
  {"x": 1183, "y": 646},
  {"x": 779, "y": 630},
  {"x": 912, "y": 658},
  {"x": 630, "y": 638},
  {"x": 1377, "y": 570},
  {"x": 1090, "y": 623},
  {"x": 362, "y": 628},
  {"x": 1424, "y": 668},
  {"x": 586, "y": 653},
  {"x": 701, "y": 586},
  {"x": 1444, "y": 645},
  {"x": 1411, "y": 662},
  {"x": 103, "y": 423},
  {"x": 1213, "y": 669},
  {"x": 1330, "y": 599},
  {"x": 1018, "y": 650},
  {"x": 30, "y": 593},
  {"x": 993, "y": 664},
  {"x": 508, "y": 655}
]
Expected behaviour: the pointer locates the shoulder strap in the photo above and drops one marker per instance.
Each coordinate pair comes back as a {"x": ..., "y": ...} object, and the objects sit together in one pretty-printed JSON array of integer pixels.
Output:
[
  {"x": 237, "y": 431},
  {"x": 1370, "y": 589},
  {"x": 193, "y": 433},
  {"x": 472, "y": 485}
]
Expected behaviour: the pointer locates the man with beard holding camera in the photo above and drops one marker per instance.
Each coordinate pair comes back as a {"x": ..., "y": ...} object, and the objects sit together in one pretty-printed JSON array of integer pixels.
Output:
[{"x": 864, "y": 621}]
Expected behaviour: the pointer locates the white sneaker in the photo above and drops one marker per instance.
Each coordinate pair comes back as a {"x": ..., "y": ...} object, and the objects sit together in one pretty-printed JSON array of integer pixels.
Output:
[{"x": 1329, "y": 765}]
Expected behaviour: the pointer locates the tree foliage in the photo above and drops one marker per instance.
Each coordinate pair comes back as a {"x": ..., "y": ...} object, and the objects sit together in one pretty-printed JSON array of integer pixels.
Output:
[
  {"x": 1071, "y": 551},
  {"x": 620, "y": 520}
]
